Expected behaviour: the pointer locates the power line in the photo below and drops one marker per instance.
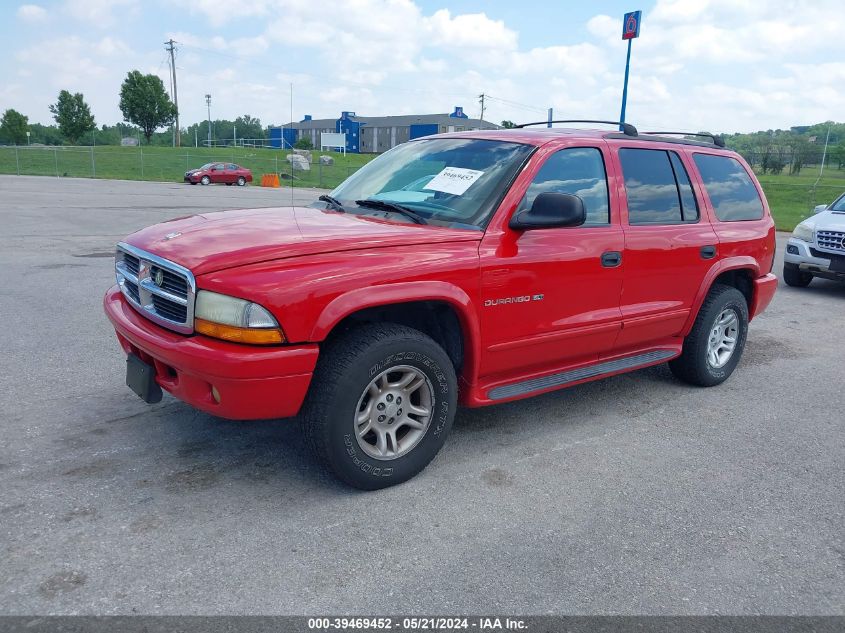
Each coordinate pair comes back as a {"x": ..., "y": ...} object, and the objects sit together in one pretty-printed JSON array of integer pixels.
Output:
[
  {"x": 334, "y": 79},
  {"x": 516, "y": 104}
]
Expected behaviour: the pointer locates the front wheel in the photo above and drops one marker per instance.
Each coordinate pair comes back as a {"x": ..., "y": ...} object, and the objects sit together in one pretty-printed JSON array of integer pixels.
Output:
[
  {"x": 205, "y": 180},
  {"x": 381, "y": 404},
  {"x": 793, "y": 276},
  {"x": 714, "y": 347}
]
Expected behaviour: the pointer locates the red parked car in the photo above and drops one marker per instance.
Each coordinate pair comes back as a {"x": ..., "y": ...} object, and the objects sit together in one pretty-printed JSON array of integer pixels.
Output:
[
  {"x": 474, "y": 268},
  {"x": 227, "y": 173}
]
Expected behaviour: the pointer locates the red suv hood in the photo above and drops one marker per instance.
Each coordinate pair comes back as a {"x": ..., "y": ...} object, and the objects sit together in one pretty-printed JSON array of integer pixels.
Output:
[{"x": 214, "y": 241}]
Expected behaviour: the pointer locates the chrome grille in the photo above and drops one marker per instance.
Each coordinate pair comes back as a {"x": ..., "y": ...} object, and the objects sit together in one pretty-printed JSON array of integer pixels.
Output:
[
  {"x": 172, "y": 282},
  {"x": 132, "y": 263},
  {"x": 132, "y": 290},
  {"x": 157, "y": 288},
  {"x": 831, "y": 240}
]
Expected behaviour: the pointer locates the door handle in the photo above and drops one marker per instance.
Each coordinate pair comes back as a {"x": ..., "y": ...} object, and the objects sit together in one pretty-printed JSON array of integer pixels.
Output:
[
  {"x": 611, "y": 259},
  {"x": 708, "y": 252}
]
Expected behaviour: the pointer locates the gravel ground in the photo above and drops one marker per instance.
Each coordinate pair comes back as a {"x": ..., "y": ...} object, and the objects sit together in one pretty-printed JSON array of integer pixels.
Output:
[{"x": 634, "y": 495}]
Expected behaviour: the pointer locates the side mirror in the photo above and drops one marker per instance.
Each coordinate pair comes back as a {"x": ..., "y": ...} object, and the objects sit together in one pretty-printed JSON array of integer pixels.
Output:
[
  {"x": 549, "y": 211},
  {"x": 819, "y": 208}
]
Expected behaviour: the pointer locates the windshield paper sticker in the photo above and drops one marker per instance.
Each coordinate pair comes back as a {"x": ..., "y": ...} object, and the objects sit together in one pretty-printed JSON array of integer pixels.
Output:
[{"x": 454, "y": 180}]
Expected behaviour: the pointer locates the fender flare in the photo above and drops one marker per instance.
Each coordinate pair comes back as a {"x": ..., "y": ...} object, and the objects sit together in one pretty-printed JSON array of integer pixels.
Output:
[
  {"x": 404, "y": 292},
  {"x": 739, "y": 262}
]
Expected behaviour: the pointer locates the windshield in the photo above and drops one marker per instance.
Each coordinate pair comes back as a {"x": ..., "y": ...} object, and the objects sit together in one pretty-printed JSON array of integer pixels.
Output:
[
  {"x": 838, "y": 205},
  {"x": 447, "y": 181},
  {"x": 207, "y": 166}
]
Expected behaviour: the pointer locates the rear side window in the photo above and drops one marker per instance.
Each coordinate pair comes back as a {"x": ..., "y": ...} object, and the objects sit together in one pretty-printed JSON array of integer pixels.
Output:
[
  {"x": 579, "y": 171},
  {"x": 733, "y": 195},
  {"x": 658, "y": 187},
  {"x": 689, "y": 205}
]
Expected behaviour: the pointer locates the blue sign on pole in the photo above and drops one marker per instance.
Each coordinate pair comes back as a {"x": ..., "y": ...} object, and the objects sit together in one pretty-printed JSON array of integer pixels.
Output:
[
  {"x": 630, "y": 30},
  {"x": 631, "y": 25}
]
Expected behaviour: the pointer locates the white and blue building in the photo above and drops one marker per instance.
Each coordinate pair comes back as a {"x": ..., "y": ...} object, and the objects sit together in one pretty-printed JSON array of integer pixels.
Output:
[{"x": 373, "y": 135}]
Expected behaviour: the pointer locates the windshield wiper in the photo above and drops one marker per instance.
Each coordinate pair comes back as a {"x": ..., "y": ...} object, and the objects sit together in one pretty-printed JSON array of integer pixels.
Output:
[
  {"x": 333, "y": 203},
  {"x": 392, "y": 206}
]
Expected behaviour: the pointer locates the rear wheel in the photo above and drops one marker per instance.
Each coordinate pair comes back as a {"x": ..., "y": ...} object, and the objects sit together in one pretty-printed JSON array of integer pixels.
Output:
[
  {"x": 205, "y": 180},
  {"x": 381, "y": 404},
  {"x": 241, "y": 181},
  {"x": 794, "y": 276},
  {"x": 714, "y": 347}
]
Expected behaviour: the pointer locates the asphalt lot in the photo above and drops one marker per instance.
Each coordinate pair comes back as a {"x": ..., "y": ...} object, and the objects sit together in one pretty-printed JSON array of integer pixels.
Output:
[{"x": 634, "y": 495}]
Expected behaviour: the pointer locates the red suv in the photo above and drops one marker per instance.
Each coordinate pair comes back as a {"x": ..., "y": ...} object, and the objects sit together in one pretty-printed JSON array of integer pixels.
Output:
[
  {"x": 226, "y": 173},
  {"x": 472, "y": 268}
]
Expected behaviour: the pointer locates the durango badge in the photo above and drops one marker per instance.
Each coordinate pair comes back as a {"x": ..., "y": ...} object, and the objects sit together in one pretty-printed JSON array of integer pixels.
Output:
[{"x": 508, "y": 300}]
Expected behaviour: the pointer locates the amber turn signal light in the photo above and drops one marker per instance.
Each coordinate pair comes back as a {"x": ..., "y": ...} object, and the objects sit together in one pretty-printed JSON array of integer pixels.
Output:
[{"x": 252, "y": 336}]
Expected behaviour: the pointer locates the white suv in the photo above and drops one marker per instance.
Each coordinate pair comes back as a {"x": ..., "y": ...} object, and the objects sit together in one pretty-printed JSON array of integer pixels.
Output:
[{"x": 817, "y": 246}]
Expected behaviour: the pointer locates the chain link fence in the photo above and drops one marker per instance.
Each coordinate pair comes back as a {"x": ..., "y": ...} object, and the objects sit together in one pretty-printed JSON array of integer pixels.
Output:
[
  {"x": 791, "y": 197},
  {"x": 139, "y": 163}
]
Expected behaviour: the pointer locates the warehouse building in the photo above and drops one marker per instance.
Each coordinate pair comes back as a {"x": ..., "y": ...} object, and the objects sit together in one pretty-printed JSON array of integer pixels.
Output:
[{"x": 373, "y": 135}]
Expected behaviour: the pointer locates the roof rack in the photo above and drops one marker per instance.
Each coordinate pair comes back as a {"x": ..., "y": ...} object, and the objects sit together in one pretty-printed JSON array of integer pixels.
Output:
[
  {"x": 718, "y": 141},
  {"x": 626, "y": 128}
]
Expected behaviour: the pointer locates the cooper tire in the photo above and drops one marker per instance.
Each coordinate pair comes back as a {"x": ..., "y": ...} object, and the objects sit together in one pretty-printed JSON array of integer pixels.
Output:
[
  {"x": 205, "y": 180},
  {"x": 342, "y": 384},
  {"x": 793, "y": 276},
  {"x": 724, "y": 311}
]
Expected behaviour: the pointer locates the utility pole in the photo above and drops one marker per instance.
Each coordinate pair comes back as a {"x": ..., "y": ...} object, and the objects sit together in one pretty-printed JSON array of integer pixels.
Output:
[
  {"x": 171, "y": 47},
  {"x": 481, "y": 98},
  {"x": 208, "y": 103}
]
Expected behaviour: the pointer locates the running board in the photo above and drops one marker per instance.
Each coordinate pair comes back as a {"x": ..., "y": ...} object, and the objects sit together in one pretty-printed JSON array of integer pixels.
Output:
[{"x": 574, "y": 375}]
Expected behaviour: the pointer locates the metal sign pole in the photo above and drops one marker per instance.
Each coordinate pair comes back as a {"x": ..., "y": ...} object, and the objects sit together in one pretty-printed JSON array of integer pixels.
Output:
[
  {"x": 630, "y": 31},
  {"x": 625, "y": 86}
]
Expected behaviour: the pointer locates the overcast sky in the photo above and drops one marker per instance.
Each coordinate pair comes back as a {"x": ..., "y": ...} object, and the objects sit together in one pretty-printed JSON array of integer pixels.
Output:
[{"x": 721, "y": 65}]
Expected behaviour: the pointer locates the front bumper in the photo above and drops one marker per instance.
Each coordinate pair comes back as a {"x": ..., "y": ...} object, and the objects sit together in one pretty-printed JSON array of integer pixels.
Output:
[
  {"x": 192, "y": 178},
  {"x": 808, "y": 258},
  {"x": 253, "y": 382}
]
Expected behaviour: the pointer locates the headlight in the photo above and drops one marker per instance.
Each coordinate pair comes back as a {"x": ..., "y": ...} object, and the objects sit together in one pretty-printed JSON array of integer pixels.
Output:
[
  {"x": 804, "y": 232},
  {"x": 233, "y": 319}
]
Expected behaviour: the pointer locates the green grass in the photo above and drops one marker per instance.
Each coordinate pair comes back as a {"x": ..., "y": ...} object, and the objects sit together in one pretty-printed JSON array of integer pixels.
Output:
[
  {"x": 791, "y": 198},
  {"x": 170, "y": 164}
]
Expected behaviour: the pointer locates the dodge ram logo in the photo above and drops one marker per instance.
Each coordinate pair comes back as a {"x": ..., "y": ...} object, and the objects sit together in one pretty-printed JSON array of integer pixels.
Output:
[{"x": 158, "y": 277}]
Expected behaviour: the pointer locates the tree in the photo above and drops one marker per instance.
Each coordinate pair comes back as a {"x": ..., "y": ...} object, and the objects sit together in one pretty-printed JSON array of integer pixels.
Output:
[
  {"x": 800, "y": 153},
  {"x": 303, "y": 143},
  {"x": 249, "y": 127},
  {"x": 837, "y": 153},
  {"x": 508, "y": 125},
  {"x": 73, "y": 115},
  {"x": 144, "y": 102},
  {"x": 13, "y": 127}
]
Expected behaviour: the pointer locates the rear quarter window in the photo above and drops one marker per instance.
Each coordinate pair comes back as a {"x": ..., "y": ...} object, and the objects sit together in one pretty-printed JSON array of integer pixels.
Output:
[{"x": 730, "y": 188}]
